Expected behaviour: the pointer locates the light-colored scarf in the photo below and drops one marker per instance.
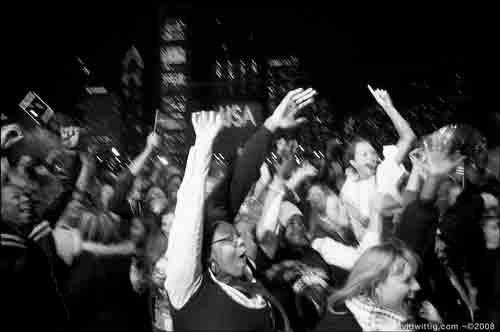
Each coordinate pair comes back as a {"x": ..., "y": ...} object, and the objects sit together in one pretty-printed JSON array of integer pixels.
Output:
[{"x": 374, "y": 318}]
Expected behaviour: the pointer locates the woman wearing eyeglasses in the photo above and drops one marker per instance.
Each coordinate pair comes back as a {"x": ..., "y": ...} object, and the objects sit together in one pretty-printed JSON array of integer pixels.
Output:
[{"x": 209, "y": 279}]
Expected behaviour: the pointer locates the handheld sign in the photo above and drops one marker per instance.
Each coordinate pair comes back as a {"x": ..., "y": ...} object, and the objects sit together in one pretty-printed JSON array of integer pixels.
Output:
[{"x": 36, "y": 108}]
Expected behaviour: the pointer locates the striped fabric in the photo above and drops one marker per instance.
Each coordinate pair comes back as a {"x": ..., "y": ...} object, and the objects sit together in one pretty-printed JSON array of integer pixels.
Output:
[
  {"x": 40, "y": 231},
  {"x": 11, "y": 240}
]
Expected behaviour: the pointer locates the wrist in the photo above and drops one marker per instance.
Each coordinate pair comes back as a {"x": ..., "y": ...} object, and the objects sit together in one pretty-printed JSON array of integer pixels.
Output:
[{"x": 271, "y": 124}]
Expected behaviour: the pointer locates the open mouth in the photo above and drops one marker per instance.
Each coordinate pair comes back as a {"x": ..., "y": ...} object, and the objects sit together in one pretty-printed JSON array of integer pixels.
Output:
[{"x": 243, "y": 255}]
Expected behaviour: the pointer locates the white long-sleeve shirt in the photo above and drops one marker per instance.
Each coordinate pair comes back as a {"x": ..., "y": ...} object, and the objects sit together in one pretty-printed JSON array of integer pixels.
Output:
[
  {"x": 338, "y": 254},
  {"x": 183, "y": 269}
]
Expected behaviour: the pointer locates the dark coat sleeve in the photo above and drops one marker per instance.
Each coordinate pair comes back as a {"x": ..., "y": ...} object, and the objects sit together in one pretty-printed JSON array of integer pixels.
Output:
[
  {"x": 417, "y": 226},
  {"x": 231, "y": 192}
]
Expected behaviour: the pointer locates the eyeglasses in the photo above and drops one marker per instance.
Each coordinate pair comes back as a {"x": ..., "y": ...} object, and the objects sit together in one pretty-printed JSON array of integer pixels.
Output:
[{"x": 233, "y": 239}]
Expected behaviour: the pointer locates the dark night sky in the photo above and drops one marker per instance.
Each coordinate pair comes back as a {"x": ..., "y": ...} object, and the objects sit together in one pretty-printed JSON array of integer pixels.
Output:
[{"x": 342, "y": 49}]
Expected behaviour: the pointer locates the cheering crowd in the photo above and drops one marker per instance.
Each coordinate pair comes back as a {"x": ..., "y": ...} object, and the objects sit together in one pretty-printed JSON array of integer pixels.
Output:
[{"x": 356, "y": 241}]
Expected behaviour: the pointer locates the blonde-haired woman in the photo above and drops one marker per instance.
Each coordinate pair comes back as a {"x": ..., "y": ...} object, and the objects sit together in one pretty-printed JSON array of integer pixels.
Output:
[{"x": 378, "y": 293}]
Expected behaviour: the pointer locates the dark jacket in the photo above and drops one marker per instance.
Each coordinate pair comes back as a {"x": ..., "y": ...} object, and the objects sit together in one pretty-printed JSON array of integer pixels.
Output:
[
  {"x": 100, "y": 296},
  {"x": 417, "y": 228},
  {"x": 29, "y": 288}
]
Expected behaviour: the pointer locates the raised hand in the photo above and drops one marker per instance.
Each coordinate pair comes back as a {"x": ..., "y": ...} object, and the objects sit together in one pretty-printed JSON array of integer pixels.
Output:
[
  {"x": 153, "y": 140},
  {"x": 265, "y": 174},
  {"x": 70, "y": 136},
  {"x": 417, "y": 158},
  {"x": 306, "y": 170},
  {"x": 206, "y": 126},
  {"x": 439, "y": 162},
  {"x": 285, "y": 115},
  {"x": 429, "y": 312},
  {"x": 10, "y": 134},
  {"x": 382, "y": 97}
]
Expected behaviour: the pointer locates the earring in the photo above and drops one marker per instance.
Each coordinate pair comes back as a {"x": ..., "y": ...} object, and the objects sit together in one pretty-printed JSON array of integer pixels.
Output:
[{"x": 213, "y": 268}]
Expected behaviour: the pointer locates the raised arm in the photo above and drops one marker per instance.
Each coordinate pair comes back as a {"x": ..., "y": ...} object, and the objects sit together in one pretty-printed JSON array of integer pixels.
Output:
[
  {"x": 406, "y": 134},
  {"x": 247, "y": 166},
  {"x": 126, "y": 179},
  {"x": 184, "y": 270},
  {"x": 416, "y": 227}
]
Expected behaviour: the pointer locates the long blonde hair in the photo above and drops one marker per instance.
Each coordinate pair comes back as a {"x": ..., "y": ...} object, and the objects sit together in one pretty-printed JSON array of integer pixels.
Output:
[{"x": 372, "y": 268}]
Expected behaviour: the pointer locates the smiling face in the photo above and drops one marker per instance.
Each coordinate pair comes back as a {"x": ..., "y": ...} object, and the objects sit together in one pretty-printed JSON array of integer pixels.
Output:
[
  {"x": 295, "y": 232},
  {"x": 365, "y": 160},
  {"x": 336, "y": 211},
  {"x": 491, "y": 231},
  {"x": 16, "y": 205},
  {"x": 228, "y": 250},
  {"x": 398, "y": 288},
  {"x": 157, "y": 200}
]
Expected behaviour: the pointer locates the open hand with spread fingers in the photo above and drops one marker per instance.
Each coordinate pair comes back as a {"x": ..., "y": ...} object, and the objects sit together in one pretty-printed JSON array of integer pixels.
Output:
[
  {"x": 11, "y": 134},
  {"x": 285, "y": 115},
  {"x": 382, "y": 97},
  {"x": 440, "y": 162},
  {"x": 206, "y": 126}
]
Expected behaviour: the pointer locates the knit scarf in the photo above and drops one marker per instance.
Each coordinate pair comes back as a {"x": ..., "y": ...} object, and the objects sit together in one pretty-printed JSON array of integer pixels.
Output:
[{"x": 374, "y": 318}]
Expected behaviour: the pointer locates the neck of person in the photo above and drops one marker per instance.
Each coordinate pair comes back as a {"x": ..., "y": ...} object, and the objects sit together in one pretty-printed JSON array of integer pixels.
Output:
[{"x": 229, "y": 279}]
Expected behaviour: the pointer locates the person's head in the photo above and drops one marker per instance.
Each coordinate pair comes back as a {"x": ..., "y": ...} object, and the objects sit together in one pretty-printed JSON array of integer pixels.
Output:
[
  {"x": 156, "y": 200},
  {"x": 107, "y": 192},
  {"x": 385, "y": 274},
  {"x": 137, "y": 230},
  {"x": 490, "y": 225},
  {"x": 316, "y": 197},
  {"x": 172, "y": 186},
  {"x": 362, "y": 157},
  {"x": 226, "y": 251},
  {"x": 293, "y": 229},
  {"x": 16, "y": 205}
]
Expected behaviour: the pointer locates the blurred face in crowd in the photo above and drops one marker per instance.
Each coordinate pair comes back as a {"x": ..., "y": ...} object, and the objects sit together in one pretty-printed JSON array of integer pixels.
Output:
[
  {"x": 228, "y": 253},
  {"x": 316, "y": 197},
  {"x": 16, "y": 205},
  {"x": 137, "y": 230},
  {"x": 398, "y": 288},
  {"x": 365, "y": 160},
  {"x": 70, "y": 136},
  {"x": 440, "y": 248},
  {"x": 295, "y": 232},
  {"x": 173, "y": 187},
  {"x": 166, "y": 222},
  {"x": 210, "y": 184},
  {"x": 157, "y": 200},
  {"x": 106, "y": 193},
  {"x": 491, "y": 231}
]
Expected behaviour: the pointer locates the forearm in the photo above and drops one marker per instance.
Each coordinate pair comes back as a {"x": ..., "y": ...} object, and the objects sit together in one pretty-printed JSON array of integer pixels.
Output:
[
  {"x": 138, "y": 163},
  {"x": 247, "y": 166},
  {"x": 430, "y": 188},
  {"x": 402, "y": 126},
  {"x": 186, "y": 234},
  {"x": 83, "y": 179}
]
